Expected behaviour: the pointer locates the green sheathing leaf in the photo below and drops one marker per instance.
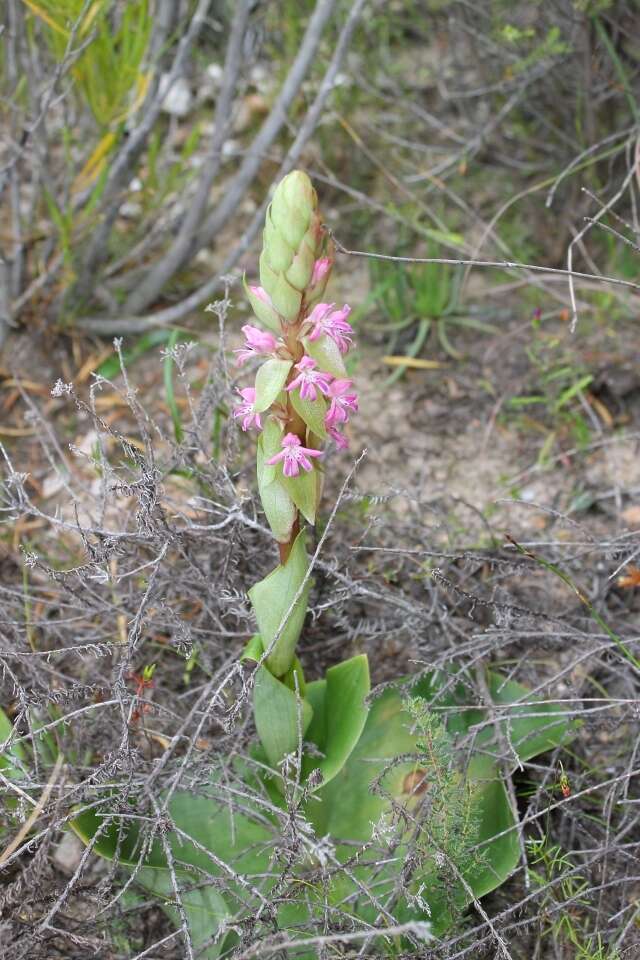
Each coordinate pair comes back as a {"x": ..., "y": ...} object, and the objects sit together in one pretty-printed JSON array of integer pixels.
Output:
[
  {"x": 281, "y": 717},
  {"x": 270, "y": 379},
  {"x": 279, "y": 508},
  {"x": 303, "y": 490},
  {"x": 312, "y": 412},
  {"x": 254, "y": 649},
  {"x": 341, "y": 715},
  {"x": 272, "y": 597}
]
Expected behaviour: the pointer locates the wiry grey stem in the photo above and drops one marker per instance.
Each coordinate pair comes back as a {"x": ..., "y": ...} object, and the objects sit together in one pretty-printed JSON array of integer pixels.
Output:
[{"x": 180, "y": 249}]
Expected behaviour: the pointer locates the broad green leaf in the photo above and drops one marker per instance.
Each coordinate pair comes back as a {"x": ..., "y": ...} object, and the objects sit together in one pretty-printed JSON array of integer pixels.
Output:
[
  {"x": 532, "y": 726},
  {"x": 325, "y": 352},
  {"x": 204, "y": 907},
  {"x": 339, "y": 715},
  {"x": 45, "y": 743},
  {"x": 312, "y": 412},
  {"x": 242, "y": 843},
  {"x": 528, "y": 725},
  {"x": 500, "y": 854},
  {"x": 374, "y": 773},
  {"x": 303, "y": 490},
  {"x": 270, "y": 379},
  {"x": 119, "y": 840},
  {"x": 347, "y": 808},
  {"x": 241, "y": 840},
  {"x": 281, "y": 717},
  {"x": 278, "y": 506},
  {"x": 271, "y": 599}
]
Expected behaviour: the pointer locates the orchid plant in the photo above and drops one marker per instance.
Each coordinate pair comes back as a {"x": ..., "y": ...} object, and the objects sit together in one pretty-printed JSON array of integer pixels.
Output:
[
  {"x": 302, "y": 398},
  {"x": 392, "y": 828}
]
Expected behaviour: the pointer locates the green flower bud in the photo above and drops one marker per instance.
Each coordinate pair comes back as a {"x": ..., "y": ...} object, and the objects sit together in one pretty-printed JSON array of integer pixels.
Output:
[{"x": 292, "y": 243}]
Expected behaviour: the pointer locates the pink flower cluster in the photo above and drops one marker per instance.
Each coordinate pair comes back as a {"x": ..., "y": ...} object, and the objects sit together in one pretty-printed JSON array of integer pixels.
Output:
[{"x": 309, "y": 381}]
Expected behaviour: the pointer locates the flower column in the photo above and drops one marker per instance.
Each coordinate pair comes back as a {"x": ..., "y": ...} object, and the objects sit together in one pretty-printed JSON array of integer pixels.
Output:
[{"x": 301, "y": 398}]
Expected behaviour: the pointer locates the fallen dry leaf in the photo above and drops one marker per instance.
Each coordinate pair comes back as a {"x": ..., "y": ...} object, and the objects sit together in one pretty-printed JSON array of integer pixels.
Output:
[
  {"x": 631, "y": 578},
  {"x": 414, "y": 363},
  {"x": 631, "y": 516}
]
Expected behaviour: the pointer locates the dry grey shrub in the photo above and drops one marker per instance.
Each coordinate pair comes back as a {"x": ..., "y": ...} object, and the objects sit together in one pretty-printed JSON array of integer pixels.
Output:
[
  {"x": 146, "y": 557},
  {"x": 111, "y": 233}
]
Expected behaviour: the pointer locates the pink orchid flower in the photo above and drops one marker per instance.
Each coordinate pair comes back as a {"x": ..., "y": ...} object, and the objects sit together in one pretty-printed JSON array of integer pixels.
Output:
[
  {"x": 320, "y": 269},
  {"x": 333, "y": 323},
  {"x": 261, "y": 294},
  {"x": 309, "y": 378},
  {"x": 294, "y": 456},
  {"x": 342, "y": 404},
  {"x": 257, "y": 343},
  {"x": 246, "y": 409},
  {"x": 341, "y": 441}
]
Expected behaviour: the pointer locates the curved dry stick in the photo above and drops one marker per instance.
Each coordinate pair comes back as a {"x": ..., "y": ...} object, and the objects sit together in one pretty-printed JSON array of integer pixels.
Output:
[{"x": 35, "y": 813}]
